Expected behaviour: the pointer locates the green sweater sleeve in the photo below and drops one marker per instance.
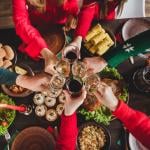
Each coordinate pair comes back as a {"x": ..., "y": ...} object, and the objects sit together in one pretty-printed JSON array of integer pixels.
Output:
[
  {"x": 131, "y": 47},
  {"x": 7, "y": 77}
]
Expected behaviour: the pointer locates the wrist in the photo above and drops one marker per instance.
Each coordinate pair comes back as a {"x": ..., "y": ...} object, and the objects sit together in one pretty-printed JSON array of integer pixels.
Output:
[
  {"x": 115, "y": 105},
  {"x": 21, "y": 80},
  {"x": 46, "y": 53}
]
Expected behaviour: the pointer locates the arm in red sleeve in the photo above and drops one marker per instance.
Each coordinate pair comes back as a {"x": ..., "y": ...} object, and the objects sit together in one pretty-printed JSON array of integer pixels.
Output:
[
  {"x": 68, "y": 133},
  {"x": 86, "y": 16},
  {"x": 30, "y": 35},
  {"x": 136, "y": 122}
]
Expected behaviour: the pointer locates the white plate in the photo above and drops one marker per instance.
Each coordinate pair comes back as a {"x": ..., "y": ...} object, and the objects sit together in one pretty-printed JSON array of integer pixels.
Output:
[
  {"x": 133, "y": 27},
  {"x": 135, "y": 144}
]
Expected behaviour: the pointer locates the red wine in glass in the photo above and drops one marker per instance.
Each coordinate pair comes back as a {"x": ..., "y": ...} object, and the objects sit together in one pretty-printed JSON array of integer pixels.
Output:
[{"x": 74, "y": 87}]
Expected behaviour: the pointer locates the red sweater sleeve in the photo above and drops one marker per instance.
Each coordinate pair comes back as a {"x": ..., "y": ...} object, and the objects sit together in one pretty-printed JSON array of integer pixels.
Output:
[
  {"x": 68, "y": 133},
  {"x": 85, "y": 18},
  {"x": 136, "y": 122},
  {"x": 30, "y": 35}
]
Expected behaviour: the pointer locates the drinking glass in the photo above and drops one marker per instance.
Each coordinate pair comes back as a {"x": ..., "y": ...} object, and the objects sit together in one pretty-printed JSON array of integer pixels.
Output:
[
  {"x": 141, "y": 79},
  {"x": 74, "y": 86},
  {"x": 79, "y": 69},
  {"x": 71, "y": 53},
  {"x": 92, "y": 83},
  {"x": 63, "y": 67}
]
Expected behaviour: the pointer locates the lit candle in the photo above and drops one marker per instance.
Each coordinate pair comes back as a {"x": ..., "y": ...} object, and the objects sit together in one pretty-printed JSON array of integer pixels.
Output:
[{"x": 13, "y": 107}]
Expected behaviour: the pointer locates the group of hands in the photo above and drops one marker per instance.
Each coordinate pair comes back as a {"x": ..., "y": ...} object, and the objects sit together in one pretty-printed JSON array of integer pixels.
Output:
[{"x": 40, "y": 82}]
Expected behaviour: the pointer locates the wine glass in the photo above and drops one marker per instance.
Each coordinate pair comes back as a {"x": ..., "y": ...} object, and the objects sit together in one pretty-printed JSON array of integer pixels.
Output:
[
  {"x": 74, "y": 86},
  {"x": 92, "y": 83},
  {"x": 79, "y": 69},
  {"x": 57, "y": 81},
  {"x": 63, "y": 67},
  {"x": 71, "y": 53}
]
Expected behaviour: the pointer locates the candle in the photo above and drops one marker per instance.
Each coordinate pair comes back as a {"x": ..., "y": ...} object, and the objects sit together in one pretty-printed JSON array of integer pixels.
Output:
[{"x": 13, "y": 107}]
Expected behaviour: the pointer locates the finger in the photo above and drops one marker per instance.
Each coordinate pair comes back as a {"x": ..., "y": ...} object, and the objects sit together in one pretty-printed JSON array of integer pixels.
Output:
[
  {"x": 98, "y": 95},
  {"x": 67, "y": 95}
]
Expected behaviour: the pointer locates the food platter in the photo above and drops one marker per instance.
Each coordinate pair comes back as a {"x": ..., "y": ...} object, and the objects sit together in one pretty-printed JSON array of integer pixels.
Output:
[
  {"x": 93, "y": 136},
  {"x": 33, "y": 138},
  {"x": 103, "y": 114},
  {"x": 7, "y": 116},
  {"x": 14, "y": 90}
]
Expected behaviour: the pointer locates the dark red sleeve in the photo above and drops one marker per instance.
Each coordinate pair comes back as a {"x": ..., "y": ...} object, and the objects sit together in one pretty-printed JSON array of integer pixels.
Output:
[
  {"x": 68, "y": 133},
  {"x": 30, "y": 35},
  {"x": 136, "y": 122}
]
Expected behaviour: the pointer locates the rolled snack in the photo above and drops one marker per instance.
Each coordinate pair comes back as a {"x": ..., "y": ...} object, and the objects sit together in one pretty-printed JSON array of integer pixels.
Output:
[
  {"x": 88, "y": 45},
  {"x": 101, "y": 49},
  {"x": 2, "y": 53},
  {"x": 50, "y": 102},
  {"x": 98, "y": 38},
  {"x": 60, "y": 109},
  {"x": 7, "y": 63},
  {"x": 38, "y": 99},
  {"x": 51, "y": 115},
  {"x": 93, "y": 49},
  {"x": 1, "y": 62},
  {"x": 97, "y": 28},
  {"x": 40, "y": 110},
  {"x": 9, "y": 52},
  {"x": 62, "y": 98},
  {"x": 89, "y": 36},
  {"x": 108, "y": 38}
]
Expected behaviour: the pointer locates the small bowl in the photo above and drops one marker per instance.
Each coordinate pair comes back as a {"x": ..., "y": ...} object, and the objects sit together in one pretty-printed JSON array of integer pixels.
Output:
[
  {"x": 27, "y": 92},
  {"x": 106, "y": 132},
  {"x": 86, "y": 53}
]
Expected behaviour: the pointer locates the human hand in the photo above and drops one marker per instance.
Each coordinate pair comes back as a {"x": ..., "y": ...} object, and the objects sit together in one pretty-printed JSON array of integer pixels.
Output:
[
  {"x": 50, "y": 61},
  {"x": 94, "y": 64},
  {"x": 72, "y": 104},
  {"x": 71, "y": 23},
  {"x": 39, "y": 82},
  {"x": 75, "y": 45},
  {"x": 106, "y": 96}
]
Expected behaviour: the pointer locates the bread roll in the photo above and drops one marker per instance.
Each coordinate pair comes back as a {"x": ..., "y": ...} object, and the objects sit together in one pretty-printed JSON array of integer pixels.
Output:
[
  {"x": 2, "y": 53},
  {"x": 9, "y": 52},
  {"x": 111, "y": 42},
  {"x": 1, "y": 62},
  {"x": 88, "y": 45},
  {"x": 6, "y": 63}
]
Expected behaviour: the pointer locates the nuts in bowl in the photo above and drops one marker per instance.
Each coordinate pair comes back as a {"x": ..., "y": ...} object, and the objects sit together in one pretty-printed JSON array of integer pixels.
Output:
[{"x": 93, "y": 136}]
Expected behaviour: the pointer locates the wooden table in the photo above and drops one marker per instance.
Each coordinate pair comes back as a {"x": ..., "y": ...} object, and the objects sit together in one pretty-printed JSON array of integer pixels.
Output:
[{"x": 137, "y": 100}]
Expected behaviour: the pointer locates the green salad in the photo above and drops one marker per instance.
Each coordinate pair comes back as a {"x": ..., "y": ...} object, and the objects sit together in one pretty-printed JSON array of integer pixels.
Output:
[
  {"x": 103, "y": 114},
  {"x": 6, "y": 116}
]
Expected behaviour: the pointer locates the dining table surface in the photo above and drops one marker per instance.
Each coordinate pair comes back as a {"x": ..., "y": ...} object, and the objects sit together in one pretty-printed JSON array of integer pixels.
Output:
[{"x": 136, "y": 99}]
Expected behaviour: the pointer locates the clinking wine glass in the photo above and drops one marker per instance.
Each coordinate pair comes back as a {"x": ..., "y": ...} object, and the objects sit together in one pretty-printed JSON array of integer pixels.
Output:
[
  {"x": 79, "y": 69},
  {"x": 71, "y": 53},
  {"x": 92, "y": 83},
  {"x": 74, "y": 86},
  {"x": 63, "y": 67}
]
